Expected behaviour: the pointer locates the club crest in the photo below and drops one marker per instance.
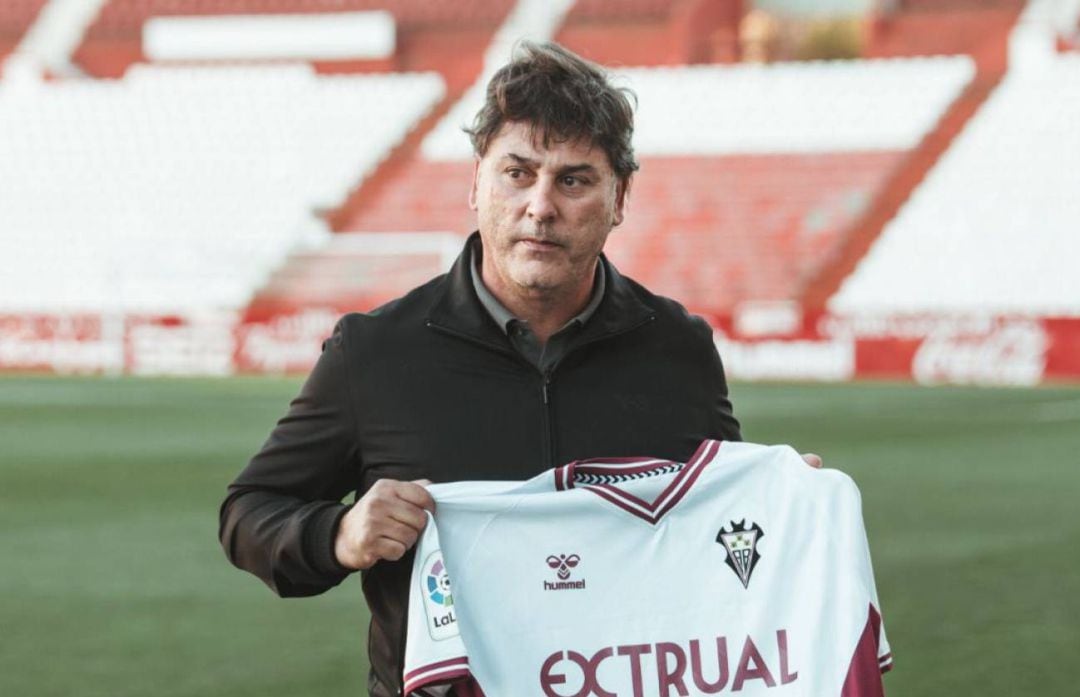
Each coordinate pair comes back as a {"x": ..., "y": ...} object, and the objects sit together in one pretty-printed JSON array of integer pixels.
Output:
[{"x": 741, "y": 545}]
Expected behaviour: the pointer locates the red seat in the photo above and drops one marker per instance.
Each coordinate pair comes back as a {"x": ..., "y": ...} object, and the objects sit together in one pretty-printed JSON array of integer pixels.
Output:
[
  {"x": 16, "y": 16},
  {"x": 710, "y": 231},
  {"x": 120, "y": 17}
]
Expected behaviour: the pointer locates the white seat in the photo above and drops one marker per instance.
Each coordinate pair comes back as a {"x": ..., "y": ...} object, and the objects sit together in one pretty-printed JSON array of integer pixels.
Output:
[
  {"x": 832, "y": 106},
  {"x": 173, "y": 179},
  {"x": 995, "y": 227}
]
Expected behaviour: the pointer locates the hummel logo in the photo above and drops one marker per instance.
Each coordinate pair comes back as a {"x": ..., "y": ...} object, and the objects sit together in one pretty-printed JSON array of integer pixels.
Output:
[{"x": 562, "y": 564}]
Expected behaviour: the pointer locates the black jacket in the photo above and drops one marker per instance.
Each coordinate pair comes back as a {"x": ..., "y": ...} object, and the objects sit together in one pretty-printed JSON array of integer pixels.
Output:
[{"x": 429, "y": 387}]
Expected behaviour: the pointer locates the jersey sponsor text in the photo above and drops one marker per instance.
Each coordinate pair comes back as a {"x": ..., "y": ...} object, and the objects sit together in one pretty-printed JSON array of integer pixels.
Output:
[{"x": 677, "y": 664}]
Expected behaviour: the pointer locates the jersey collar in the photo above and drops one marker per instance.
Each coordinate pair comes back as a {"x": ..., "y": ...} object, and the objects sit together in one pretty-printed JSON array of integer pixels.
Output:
[{"x": 603, "y": 477}]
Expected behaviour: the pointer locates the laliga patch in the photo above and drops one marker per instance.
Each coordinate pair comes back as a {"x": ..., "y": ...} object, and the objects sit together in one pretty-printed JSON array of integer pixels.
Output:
[
  {"x": 438, "y": 601},
  {"x": 741, "y": 545}
]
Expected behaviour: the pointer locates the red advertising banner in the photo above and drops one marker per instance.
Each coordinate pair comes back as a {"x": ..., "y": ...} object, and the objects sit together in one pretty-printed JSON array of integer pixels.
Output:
[{"x": 965, "y": 350}]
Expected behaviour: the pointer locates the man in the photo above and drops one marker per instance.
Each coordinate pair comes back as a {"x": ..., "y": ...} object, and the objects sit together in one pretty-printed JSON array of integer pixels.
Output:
[{"x": 531, "y": 352}]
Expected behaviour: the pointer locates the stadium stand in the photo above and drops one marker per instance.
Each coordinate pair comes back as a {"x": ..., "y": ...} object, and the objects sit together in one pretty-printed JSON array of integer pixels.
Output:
[
  {"x": 54, "y": 35},
  {"x": 956, "y": 5},
  {"x": 178, "y": 189},
  {"x": 533, "y": 19},
  {"x": 976, "y": 28},
  {"x": 16, "y": 16},
  {"x": 654, "y": 32},
  {"x": 125, "y": 17},
  {"x": 179, "y": 219},
  {"x": 836, "y": 106},
  {"x": 370, "y": 270},
  {"x": 993, "y": 227},
  {"x": 443, "y": 35},
  {"x": 426, "y": 196},
  {"x": 605, "y": 10},
  {"x": 408, "y": 189},
  {"x": 744, "y": 189}
]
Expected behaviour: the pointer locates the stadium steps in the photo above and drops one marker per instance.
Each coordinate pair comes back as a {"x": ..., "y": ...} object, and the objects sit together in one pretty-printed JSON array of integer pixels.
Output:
[
  {"x": 993, "y": 228},
  {"x": 976, "y": 29},
  {"x": 392, "y": 199},
  {"x": 16, "y": 16},
  {"x": 397, "y": 193},
  {"x": 425, "y": 27},
  {"x": 383, "y": 191},
  {"x": 717, "y": 220},
  {"x": 710, "y": 230},
  {"x": 57, "y": 32},
  {"x": 911, "y": 172},
  {"x": 980, "y": 29},
  {"x": 354, "y": 272},
  {"x": 653, "y": 32},
  {"x": 718, "y": 231},
  {"x": 394, "y": 192},
  {"x": 417, "y": 195},
  {"x": 212, "y": 174}
]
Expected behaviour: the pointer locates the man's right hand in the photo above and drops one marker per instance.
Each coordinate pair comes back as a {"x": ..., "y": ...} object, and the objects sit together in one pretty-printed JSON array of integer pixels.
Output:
[{"x": 383, "y": 524}]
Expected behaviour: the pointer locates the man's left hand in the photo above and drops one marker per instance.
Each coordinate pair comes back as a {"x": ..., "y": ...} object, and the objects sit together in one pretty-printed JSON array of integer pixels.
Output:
[{"x": 812, "y": 460}]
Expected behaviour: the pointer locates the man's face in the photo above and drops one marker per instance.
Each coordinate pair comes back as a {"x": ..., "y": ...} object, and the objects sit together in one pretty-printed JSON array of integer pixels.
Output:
[{"x": 544, "y": 213}]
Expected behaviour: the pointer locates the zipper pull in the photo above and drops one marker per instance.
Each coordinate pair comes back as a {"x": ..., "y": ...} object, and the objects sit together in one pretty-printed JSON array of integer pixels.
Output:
[{"x": 544, "y": 387}]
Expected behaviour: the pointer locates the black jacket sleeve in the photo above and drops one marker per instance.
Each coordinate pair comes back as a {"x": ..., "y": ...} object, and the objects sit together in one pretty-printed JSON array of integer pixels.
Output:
[
  {"x": 723, "y": 411},
  {"x": 282, "y": 512}
]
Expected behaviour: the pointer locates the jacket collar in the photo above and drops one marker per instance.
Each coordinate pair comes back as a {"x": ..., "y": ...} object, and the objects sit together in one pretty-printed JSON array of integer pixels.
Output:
[{"x": 457, "y": 308}]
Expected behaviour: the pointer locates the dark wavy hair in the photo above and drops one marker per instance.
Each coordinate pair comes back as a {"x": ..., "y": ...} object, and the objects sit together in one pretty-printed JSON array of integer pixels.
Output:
[{"x": 564, "y": 98}]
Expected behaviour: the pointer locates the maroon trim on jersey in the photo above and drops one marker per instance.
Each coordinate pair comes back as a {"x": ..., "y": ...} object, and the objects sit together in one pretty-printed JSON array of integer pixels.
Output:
[
  {"x": 451, "y": 670},
  {"x": 438, "y": 664},
  {"x": 653, "y": 511},
  {"x": 685, "y": 486},
  {"x": 864, "y": 672},
  {"x": 560, "y": 477},
  {"x": 620, "y": 460},
  {"x": 467, "y": 688}
]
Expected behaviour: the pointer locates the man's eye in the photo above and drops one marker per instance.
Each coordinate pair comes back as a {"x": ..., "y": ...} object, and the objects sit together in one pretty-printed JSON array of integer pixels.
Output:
[
  {"x": 571, "y": 181},
  {"x": 516, "y": 173}
]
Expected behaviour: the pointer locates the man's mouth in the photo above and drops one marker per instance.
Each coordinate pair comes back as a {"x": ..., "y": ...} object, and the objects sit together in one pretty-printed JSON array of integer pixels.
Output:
[{"x": 539, "y": 244}]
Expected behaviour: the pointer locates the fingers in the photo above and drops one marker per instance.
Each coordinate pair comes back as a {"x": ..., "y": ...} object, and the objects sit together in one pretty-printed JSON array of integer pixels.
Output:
[
  {"x": 391, "y": 550},
  {"x": 416, "y": 494},
  {"x": 813, "y": 460},
  {"x": 384, "y": 524},
  {"x": 412, "y": 517}
]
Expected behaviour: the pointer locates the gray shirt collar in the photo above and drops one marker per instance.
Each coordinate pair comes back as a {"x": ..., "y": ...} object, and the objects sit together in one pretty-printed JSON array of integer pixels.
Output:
[{"x": 504, "y": 318}]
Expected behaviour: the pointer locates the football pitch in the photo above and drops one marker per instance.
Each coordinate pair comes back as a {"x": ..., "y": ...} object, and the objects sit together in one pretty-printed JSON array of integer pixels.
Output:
[{"x": 112, "y": 581}]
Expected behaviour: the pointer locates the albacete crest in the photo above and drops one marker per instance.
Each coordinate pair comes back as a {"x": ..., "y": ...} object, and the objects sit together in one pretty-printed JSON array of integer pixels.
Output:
[{"x": 741, "y": 545}]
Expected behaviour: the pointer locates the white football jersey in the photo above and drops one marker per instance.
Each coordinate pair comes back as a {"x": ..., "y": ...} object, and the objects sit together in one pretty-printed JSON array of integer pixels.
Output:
[{"x": 741, "y": 571}]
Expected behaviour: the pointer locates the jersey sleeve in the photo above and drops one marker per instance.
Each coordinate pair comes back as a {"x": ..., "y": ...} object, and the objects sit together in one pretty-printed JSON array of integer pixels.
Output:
[
  {"x": 872, "y": 655},
  {"x": 435, "y": 656}
]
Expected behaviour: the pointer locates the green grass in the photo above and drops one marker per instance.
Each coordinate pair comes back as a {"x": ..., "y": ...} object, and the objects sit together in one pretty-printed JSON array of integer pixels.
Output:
[{"x": 112, "y": 582}]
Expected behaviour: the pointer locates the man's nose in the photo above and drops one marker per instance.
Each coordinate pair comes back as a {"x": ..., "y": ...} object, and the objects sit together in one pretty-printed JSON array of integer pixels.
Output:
[{"x": 541, "y": 206}]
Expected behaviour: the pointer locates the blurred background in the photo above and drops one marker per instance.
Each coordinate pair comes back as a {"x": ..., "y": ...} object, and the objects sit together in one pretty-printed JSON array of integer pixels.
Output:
[{"x": 875, "y": 203}]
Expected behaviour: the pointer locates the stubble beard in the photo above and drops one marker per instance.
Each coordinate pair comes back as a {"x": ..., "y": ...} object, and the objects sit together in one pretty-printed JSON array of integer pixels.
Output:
[{"x": 528, "y": 277}]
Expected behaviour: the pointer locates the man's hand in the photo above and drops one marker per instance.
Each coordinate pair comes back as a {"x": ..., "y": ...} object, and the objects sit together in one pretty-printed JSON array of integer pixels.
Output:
[
  {"x": 383, "y": 524},
  {"x": 812, "y": 460}
]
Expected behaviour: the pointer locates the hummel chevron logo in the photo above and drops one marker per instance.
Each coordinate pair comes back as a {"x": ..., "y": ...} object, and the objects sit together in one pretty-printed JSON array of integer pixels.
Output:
[
  {"x": 562, "y": 564},
  {"x": 741, "y": 545}
]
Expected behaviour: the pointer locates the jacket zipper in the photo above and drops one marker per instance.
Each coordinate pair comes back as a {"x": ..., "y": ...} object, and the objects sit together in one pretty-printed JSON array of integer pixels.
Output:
[
  {"x": 549, "y": 423},
  {"x": 545, "y": 390}
]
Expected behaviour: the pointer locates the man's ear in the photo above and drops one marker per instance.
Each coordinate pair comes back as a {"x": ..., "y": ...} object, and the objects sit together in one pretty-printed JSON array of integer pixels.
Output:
[
  {"x": 622, "y": 192},
  {"x": 475, "y": 183}
]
